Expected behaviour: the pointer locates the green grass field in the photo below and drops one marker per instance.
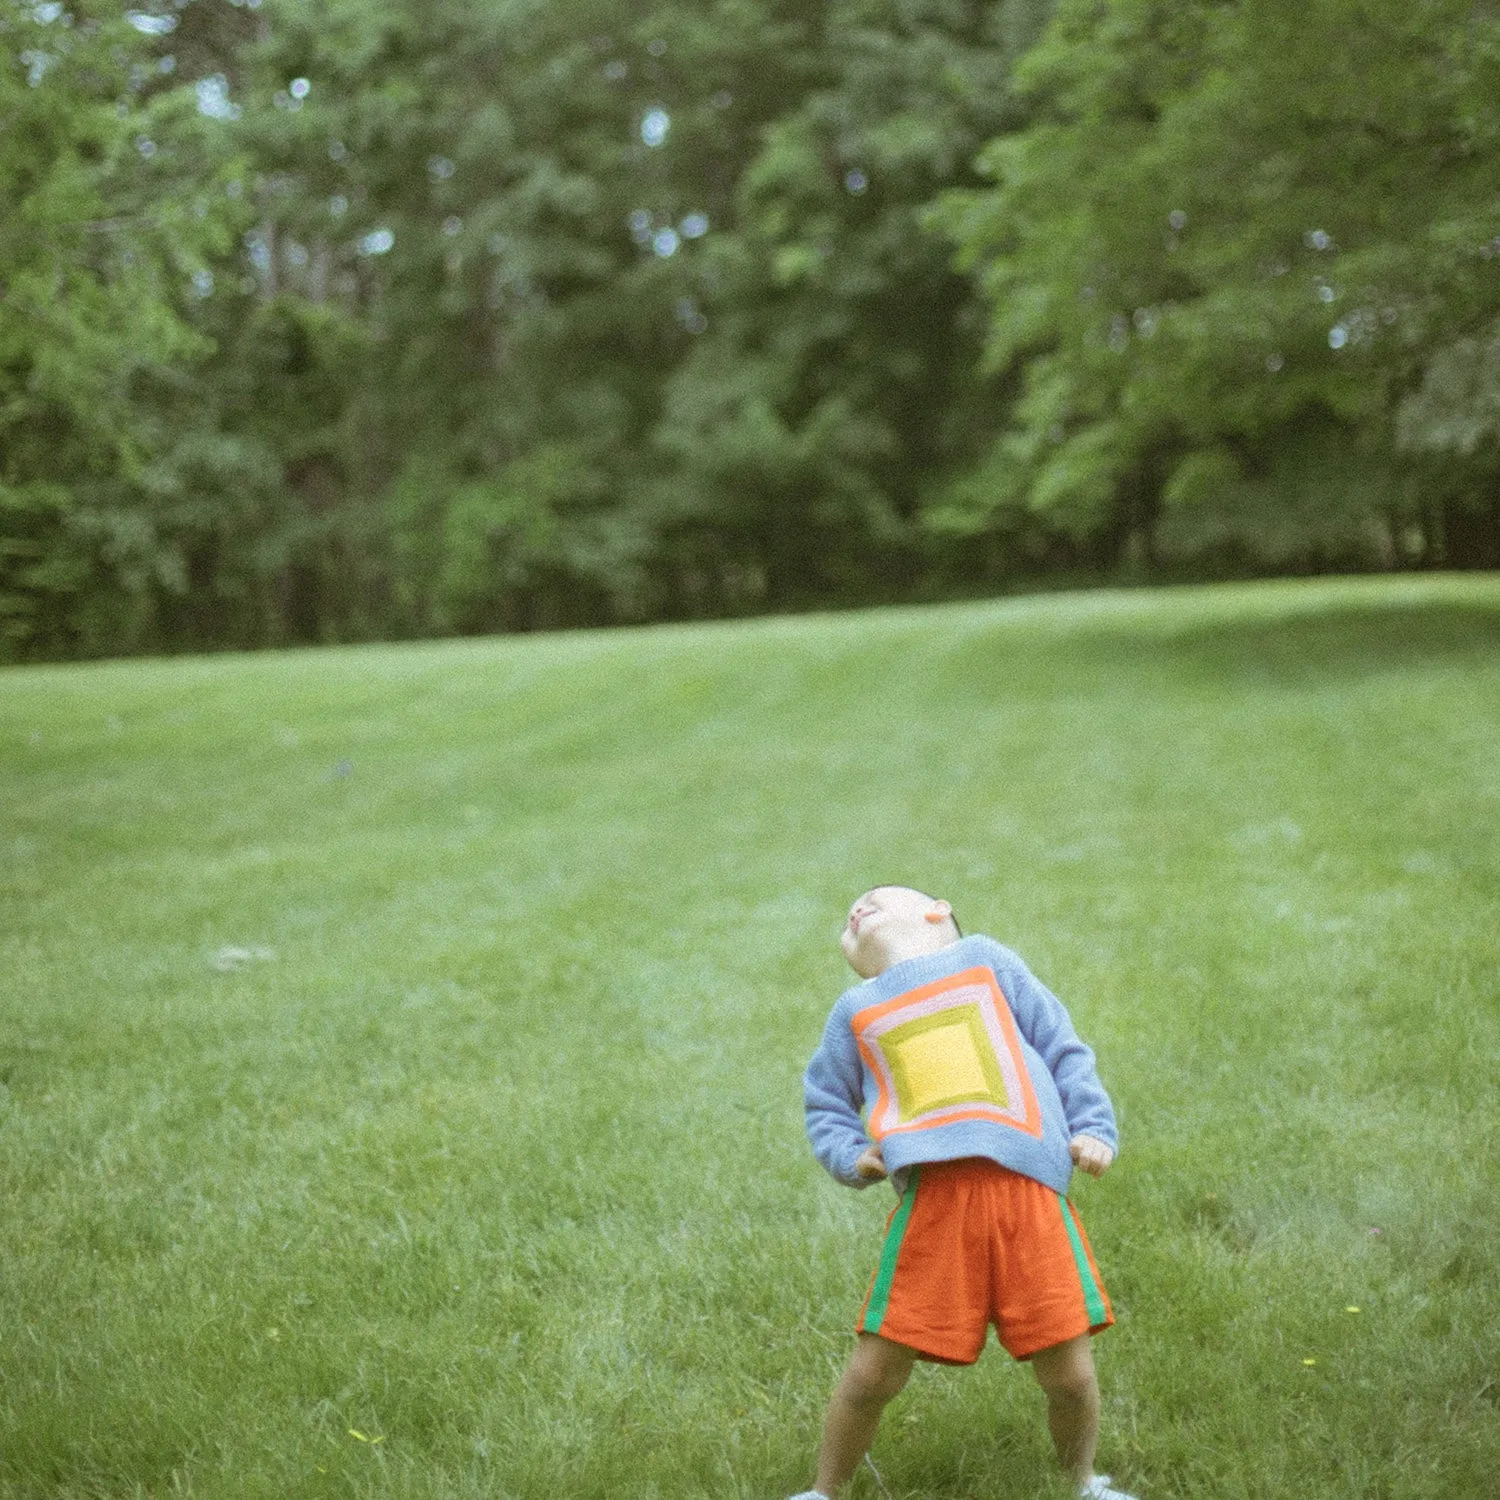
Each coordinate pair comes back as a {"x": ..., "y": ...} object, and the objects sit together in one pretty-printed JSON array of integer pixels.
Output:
[{"x": 401, "y": 1046}]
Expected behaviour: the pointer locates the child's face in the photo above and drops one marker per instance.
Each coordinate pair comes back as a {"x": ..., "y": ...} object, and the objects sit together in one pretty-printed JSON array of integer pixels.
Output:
[{"x": 887, "y": 922}]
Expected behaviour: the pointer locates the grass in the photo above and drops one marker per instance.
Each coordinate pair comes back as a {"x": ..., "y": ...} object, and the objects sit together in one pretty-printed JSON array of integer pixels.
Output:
[{"x": 478, "y": 1169}]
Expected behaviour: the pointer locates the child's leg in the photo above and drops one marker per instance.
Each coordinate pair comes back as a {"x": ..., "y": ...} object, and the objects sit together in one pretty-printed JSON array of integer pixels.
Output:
[
  {"x": 876, "y": 1372},
  {"x": 1066, "y": 1373}
]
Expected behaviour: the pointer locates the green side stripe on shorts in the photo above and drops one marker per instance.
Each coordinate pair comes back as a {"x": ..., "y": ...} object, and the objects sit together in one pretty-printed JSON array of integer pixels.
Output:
[
  {"x": 1093, "y": 1301},
  {"x": 880, "y": 1293}
]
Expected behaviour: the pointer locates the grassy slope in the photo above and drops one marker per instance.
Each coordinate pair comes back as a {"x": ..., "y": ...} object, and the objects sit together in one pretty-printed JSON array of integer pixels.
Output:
[{"x": 499, "y": 1159}]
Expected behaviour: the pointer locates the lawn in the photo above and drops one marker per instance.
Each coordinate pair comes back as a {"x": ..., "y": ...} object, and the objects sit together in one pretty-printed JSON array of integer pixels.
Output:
[{"x": 401, "y": 1045}]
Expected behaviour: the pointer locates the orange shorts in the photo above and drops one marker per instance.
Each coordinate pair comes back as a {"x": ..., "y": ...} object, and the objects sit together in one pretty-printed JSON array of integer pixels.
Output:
[{"x": 972, "y": 1243}]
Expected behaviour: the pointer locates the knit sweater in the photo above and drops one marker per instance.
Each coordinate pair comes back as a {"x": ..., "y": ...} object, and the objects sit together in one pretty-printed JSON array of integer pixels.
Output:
[{"x": 962, "y": 1052}]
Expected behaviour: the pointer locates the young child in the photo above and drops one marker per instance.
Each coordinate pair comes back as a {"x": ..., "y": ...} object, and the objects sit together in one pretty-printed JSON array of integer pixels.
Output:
[{"x": 981, "y": 1100}]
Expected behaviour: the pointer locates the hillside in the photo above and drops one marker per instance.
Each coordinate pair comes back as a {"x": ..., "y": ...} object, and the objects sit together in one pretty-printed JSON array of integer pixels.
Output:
[{"x": 401, "y": 1045}]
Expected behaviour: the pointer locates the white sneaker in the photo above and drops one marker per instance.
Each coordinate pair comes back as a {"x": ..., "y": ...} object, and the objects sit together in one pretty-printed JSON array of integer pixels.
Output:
[
  {"x": 1099, "y": 1488},
  {"x": 810, "y": 1495}
]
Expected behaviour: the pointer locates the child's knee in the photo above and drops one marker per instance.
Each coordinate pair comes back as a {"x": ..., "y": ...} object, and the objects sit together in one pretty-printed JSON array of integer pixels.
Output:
[
  {"x": 876, "y": 1374},
  {"x": 1067, "y": 1371}
]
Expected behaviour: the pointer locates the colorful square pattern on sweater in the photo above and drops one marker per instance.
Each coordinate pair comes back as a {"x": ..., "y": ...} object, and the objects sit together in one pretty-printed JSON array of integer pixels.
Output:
[{"x": 944, "y": 1052}]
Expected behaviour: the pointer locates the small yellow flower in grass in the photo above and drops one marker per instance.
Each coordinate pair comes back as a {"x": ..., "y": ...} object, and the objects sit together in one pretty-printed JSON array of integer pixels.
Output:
[
  {"x": 1309, "y": 1361},
  {"x": 1352, "y": 1308}
]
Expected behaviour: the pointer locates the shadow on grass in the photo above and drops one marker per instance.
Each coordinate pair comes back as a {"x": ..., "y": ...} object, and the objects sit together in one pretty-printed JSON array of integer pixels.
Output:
[{"x": 1343, "y": 644}]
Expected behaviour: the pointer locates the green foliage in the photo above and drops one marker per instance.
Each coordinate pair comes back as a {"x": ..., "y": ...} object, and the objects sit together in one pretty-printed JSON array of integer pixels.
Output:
[
  {"x": 1457, "y": 406},
  {"x": 1222, "y": 223},
  {"x": 835, "y": 381},
  {"x": 41, "y": 566},
  {"x": 115, "y": 210},
  {"x": 1314, "y": 502},
  {"x": 662, "y": 304},
  {"x": 512, "y": 552}
]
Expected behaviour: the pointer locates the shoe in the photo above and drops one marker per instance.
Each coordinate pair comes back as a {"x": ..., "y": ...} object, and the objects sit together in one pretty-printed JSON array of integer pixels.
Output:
[
  {"x": 1099, "y": 1488},
  {"x": 810, "y": 1495}
]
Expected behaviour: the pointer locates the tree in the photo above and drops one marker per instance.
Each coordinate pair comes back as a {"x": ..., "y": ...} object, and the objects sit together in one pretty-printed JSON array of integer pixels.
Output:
[
  {"x": 835, "y": 380},
  {"x": 116, "y": 206},
  {"x": 1234, "y": 236}
]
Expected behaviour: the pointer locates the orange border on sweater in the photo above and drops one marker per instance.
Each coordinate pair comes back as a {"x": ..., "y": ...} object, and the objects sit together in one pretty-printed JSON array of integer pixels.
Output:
[{"x": 1031, "y": 1124}]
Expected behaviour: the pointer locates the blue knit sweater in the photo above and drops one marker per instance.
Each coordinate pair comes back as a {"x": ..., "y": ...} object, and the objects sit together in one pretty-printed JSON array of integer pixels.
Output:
[{"x": 963, "y": 1052}]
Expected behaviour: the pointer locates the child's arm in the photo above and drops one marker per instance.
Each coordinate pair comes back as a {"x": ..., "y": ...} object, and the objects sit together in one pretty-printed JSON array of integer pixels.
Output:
[
  {"x": 1044, "y": 1021},
  {"x": 833, "y": 1094}
]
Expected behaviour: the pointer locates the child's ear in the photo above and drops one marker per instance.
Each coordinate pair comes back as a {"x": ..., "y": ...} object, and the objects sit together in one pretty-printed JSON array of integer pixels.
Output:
[{"x": 940, "y": 912}]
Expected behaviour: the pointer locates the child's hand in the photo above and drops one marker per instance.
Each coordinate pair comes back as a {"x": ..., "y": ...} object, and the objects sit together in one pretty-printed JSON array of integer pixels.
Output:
[
  {"x": 1090, "y": 1154},
  {"x": 871, "y": 1165}
]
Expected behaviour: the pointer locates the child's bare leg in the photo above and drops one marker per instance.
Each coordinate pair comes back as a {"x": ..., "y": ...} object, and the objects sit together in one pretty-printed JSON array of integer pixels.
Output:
[
  {"x": 1066, "y": 1373},
  {"x": 876, "y": 1372}
]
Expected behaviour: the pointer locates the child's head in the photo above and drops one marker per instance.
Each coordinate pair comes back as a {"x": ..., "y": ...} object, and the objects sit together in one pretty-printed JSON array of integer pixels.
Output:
[{"x": 892, "y": 922}]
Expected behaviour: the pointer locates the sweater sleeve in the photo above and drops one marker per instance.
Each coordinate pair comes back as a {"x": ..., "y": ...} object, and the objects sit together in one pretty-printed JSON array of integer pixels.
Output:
[
  {"x": 1044, "y": 1021},
  {"x": 833, "y": 1094}
]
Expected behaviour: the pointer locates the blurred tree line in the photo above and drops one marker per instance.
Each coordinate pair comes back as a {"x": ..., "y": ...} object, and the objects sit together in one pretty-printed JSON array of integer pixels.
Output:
[{"x": 322, "y": 320}]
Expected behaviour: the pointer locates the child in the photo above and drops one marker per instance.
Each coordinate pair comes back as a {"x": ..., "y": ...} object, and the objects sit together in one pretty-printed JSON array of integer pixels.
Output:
[{"x": 981, "y": 1100}]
